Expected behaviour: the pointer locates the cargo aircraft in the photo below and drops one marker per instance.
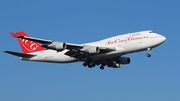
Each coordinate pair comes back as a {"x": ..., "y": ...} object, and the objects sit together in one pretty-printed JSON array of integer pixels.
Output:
[{"x": 107, "y": 52}]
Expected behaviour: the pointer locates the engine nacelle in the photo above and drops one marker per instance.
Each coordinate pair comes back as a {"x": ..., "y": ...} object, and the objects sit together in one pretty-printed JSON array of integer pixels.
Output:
[
  {"x": 119, "y": 62},
  {"x": 123, "y": 60},
  {"x": 114, "y": 65},
  {"x": 93, "y": 50},
  {"x": 57, "y": 46}
]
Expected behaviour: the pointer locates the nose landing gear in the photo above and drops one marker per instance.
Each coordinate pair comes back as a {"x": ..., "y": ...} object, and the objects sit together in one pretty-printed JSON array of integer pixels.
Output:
[{"x": 148, "y": 54}]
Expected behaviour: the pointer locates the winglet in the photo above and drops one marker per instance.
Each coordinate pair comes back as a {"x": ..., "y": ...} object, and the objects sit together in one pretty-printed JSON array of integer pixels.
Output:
[{"x": 13, "y": 34}]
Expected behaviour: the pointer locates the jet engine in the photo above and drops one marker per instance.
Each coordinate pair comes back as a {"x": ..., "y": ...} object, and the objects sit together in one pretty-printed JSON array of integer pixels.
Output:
[
  {"x": 119, "y": 62},
  {"x": 123, "y": 60},
  {"x": 57, "y": 46},
  {"x": 93, "y": 50},
  {"x": 114, "y": 65}
]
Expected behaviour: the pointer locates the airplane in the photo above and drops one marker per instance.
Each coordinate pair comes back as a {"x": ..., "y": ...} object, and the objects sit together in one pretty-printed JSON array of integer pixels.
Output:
[{"x": 107, "y": 52}]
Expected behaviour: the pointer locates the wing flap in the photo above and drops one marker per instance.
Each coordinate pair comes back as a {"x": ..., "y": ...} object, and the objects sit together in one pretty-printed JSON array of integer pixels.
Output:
[
  {"x": 76, "y": 54},
  {"x": 19, "y": 54}
]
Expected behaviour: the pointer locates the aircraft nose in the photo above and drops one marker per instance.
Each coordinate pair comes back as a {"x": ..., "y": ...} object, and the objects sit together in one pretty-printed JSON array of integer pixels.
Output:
[
  {"x": 163, "y": 38},
  {"x": 159, "y": 39}
]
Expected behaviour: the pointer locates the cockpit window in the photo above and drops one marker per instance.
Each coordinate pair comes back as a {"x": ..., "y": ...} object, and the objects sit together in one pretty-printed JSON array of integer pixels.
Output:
[{"x": 151, "y": 32}]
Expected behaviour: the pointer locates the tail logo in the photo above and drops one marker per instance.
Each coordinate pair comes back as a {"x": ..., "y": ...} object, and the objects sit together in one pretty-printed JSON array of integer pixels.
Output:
[{"x": 28, "y": 45}]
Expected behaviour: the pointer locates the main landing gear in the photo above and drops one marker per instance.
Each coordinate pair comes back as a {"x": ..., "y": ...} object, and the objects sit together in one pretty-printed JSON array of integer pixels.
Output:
[
  {"x": 85, "y": 64},
  {"x": 102, "y": 66},
  {"x": 90, "y": 65},
  {"x": 148, "y": 54}
]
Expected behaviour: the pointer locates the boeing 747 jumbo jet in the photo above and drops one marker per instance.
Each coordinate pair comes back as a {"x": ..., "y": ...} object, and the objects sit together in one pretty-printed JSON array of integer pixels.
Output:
[{"x": 107, "y": 52}]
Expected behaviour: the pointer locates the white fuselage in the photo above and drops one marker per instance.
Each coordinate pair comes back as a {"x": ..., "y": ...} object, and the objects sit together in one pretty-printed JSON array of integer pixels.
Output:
[{"x": 124, "y": 44}]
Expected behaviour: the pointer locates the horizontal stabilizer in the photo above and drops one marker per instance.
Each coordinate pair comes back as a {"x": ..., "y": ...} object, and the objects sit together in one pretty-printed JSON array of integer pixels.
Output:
[{"x": 19, "y": 54}]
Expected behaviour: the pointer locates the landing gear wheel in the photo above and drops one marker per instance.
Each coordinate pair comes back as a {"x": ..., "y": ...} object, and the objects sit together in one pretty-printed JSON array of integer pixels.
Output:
[
  {"x": 93, "y": 65},
  {"x": 90, "y": 66},
  {"x": 101, "y": 67},
  {"x": 85, "y": 64},
  {"x": 148, "y": 55}
]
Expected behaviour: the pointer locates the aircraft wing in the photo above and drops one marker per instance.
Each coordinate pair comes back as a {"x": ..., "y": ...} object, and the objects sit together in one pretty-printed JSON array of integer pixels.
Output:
[
  {"x": 59, "y": 46},
  {"x": 45, "y": 42},
  {"x": 79, "y": 51}
]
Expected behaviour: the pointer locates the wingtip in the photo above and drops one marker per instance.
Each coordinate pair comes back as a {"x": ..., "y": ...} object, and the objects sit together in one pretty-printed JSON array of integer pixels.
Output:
[
  {"x": 12, "y": 34},
  {"x": 5, "y": 51},
  {"x": 18, "y": 34}
]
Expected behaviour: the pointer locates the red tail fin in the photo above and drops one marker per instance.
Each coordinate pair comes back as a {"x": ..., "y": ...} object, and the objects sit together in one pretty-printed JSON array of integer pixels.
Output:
[{"x": 27, "y": 46}]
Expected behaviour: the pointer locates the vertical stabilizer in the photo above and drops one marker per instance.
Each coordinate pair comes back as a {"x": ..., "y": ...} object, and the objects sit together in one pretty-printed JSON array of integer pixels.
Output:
[{"x": 27, "y": 46}]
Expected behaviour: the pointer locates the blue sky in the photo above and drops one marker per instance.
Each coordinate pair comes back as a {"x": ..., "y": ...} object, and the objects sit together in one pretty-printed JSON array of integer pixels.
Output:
[{"x": 79, "y": 21}]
